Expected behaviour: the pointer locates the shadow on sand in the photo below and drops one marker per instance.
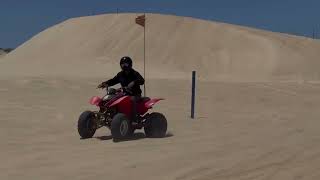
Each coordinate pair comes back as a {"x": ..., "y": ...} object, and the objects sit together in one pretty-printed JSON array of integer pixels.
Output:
[{"x": 134, "y": 137}]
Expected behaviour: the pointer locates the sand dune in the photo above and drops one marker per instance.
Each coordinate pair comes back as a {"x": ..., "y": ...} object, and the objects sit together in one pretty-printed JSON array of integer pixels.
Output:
[
  {"x": 91, "y": 46},
  {"x": 243, "y": 130}
]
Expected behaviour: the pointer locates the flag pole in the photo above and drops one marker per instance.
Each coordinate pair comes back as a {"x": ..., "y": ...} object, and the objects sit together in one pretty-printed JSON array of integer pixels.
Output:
[
  {"x": 144, "y": 56},
  {"x": 141, "y": 20}
]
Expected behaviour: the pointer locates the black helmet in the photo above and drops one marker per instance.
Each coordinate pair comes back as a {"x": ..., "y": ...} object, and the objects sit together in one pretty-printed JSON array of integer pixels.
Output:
[{"x": 126, "y": 63}]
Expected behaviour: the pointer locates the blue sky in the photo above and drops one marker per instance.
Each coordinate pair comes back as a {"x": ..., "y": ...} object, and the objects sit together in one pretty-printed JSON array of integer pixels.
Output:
[{"x": 22, "y": 19}]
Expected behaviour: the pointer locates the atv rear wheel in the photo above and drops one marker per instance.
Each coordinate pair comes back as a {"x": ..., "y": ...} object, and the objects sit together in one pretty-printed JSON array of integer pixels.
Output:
[
  {"x": 87, "y": 125},
  {"x": 120, "y": 127},
  {"x": 156, "y": 125}
]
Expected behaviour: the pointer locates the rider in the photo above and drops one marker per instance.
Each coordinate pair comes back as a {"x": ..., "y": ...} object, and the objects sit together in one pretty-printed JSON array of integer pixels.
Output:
[{"x": 130, "y": 81}]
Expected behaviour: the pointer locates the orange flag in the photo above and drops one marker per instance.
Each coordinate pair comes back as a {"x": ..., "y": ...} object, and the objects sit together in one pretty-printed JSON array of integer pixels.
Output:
[{"x": 141, "y": 20}]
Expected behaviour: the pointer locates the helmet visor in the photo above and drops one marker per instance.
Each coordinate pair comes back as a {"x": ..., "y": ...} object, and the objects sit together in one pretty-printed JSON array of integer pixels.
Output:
[{"x": 125, "y": 66}]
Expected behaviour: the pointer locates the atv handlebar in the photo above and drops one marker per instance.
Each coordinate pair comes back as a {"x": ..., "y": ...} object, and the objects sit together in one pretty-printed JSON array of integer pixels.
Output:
[{"x": 124, "y": 90}]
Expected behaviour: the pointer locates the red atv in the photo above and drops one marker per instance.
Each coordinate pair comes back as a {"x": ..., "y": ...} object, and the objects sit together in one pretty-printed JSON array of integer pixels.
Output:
[{"x": 115, "y": 113}]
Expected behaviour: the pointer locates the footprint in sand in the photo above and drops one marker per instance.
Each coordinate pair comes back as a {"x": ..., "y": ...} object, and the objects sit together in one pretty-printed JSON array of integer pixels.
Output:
[
  {"x": 4, "y": 90},
  {"x": 60, "y": 116}
]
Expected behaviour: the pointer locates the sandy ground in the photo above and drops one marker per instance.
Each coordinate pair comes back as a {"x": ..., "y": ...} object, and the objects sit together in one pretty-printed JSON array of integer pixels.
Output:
[{"x": 242, "y": 131}]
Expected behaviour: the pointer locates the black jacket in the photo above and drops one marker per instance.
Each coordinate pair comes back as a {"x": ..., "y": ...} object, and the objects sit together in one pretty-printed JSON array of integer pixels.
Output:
[{"x": 124, "y": 79}]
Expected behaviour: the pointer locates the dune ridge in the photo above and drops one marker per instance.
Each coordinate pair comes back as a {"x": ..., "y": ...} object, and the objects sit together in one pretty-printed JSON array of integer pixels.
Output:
[{"x": 91, "y": 47}]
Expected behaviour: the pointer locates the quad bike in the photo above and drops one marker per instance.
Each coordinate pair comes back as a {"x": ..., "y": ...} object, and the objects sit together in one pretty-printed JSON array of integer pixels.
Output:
[{"x": 115, "y": 113}]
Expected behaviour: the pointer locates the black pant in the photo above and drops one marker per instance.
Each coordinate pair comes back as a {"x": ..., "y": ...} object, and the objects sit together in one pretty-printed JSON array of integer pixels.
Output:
[{"x": 134, "y": 101}]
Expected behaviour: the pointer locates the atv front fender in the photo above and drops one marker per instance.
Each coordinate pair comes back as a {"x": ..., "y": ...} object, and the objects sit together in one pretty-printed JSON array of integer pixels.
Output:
[
  {"x": 123, "y": 105},
  {"x": 152, "y": 102}
]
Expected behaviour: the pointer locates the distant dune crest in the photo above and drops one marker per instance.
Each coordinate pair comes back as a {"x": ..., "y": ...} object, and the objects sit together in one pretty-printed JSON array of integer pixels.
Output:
[
  {"x": 5, "y": 51},
  {"x": 91, "y": 47}
]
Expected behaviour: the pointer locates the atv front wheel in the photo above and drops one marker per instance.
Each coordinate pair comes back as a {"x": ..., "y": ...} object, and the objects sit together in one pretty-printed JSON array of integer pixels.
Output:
[
  {"x": 87, "y": 125},
  {"x": 120, "y": 127},
  {"x": 156, "y": 125}
]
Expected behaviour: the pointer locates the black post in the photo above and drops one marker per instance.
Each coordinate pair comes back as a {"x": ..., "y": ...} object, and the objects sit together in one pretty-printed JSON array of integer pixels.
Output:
[
  {"x": 193, "y": 93},
  {"x": 144, "y": 55},
  {"x": 313, "y": 33}
]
